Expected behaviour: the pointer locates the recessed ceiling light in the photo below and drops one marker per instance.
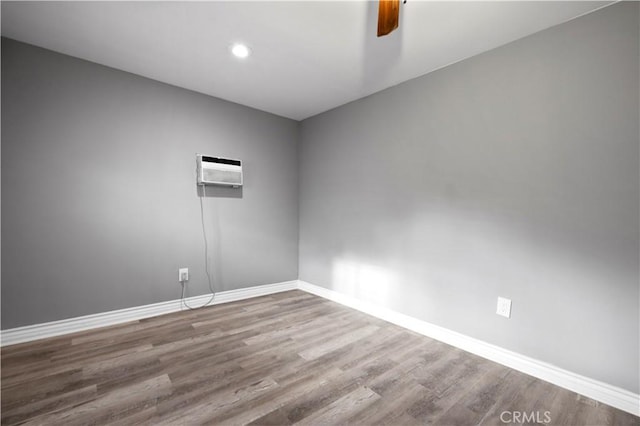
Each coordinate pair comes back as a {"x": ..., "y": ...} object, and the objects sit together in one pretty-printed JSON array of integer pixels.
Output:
[{"x": 240, "y": 50}]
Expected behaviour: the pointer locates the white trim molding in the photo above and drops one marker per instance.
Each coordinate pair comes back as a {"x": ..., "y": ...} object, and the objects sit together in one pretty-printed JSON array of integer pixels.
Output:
[
  {"x": 71, "y": 325},
  {"x": 600, "y": 391}
]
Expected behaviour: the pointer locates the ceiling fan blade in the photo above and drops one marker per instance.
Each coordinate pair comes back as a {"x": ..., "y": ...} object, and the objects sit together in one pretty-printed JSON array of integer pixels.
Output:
[{"x": 388, "y": 14}]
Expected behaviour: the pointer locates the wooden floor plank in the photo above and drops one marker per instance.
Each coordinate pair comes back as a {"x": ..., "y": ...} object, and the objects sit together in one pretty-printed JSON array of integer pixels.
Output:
[
  {"x": 339, "y": 411},
  {"x": 287, "y": 358}
]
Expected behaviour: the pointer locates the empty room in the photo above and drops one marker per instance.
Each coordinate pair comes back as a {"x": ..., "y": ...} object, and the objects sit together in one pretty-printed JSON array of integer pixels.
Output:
[{"x": 320, "y": 213}]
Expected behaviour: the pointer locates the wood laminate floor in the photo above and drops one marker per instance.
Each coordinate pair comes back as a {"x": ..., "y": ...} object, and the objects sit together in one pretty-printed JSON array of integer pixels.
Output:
[{"x": 276, "y": 360}]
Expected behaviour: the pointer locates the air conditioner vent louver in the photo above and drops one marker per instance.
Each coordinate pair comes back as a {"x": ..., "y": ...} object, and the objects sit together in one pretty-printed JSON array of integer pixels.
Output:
[{"x": 219, "y": 171}]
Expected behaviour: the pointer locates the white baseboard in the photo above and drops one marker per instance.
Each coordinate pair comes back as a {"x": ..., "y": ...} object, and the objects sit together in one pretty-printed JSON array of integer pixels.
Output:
[
  {"x": 87, "y": 322},
  {"x": 603, "y": 392}
]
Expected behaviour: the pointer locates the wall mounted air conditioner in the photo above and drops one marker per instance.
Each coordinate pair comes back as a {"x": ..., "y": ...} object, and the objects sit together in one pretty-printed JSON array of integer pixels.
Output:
[{"x": 219, "y": 171}]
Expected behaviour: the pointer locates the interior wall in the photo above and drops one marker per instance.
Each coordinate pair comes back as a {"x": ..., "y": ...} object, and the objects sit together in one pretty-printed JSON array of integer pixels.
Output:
[
  {"x": 514, "y": 173},
  {"x": 99, "y": 200}
]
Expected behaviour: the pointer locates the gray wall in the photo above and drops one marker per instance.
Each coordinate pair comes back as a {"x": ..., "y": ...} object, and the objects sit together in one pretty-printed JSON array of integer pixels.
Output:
[
  {"x": 99, "y": 201},
  {"x": 514, "y": 173}
]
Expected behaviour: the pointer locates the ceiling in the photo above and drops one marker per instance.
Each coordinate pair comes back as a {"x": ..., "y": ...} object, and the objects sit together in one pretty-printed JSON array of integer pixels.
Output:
[{"x": 307, "y": 57}]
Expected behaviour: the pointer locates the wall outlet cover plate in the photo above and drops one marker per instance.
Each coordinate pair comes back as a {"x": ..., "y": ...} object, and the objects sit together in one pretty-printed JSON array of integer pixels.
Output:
[
  {"x": 504, "y": 307},
  {"x": 183, "y": 274}
]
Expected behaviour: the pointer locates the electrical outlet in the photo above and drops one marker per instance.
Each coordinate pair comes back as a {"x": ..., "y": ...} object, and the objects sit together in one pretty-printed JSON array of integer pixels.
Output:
[
  {"x": 504, "y": 307},
  {"x": 183, "y": 275}
]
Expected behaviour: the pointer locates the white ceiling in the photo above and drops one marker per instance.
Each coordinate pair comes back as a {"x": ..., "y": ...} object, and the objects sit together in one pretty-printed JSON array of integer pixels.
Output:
[{"x": 307, "y": 57}]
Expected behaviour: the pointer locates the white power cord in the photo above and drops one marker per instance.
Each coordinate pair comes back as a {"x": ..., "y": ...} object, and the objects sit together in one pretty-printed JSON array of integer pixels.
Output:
[{"x": 206, "y": 259}]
